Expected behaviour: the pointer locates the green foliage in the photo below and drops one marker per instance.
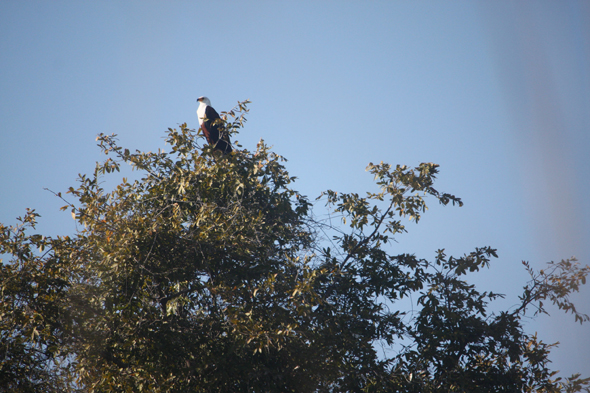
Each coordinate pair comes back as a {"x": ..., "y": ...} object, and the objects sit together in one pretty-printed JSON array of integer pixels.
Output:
[
  {"x": 33, "y": 318},
  {"x": 210, "y": 273}
]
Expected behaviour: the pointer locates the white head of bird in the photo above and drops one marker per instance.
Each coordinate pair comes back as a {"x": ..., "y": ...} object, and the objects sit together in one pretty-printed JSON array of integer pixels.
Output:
[{"x": 204, "y": 100}]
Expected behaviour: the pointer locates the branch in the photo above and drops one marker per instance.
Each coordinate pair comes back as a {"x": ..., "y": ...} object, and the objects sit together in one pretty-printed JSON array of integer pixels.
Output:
[{"x": 368, "y": 238}]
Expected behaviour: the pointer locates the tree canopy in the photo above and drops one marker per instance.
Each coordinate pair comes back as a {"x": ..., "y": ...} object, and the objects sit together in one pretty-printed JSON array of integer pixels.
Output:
[{"x": 211, "y": 273}]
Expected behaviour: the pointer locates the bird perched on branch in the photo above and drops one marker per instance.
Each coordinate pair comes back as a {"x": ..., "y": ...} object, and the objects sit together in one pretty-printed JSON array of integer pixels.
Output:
[{"x": 207, "y": 121}]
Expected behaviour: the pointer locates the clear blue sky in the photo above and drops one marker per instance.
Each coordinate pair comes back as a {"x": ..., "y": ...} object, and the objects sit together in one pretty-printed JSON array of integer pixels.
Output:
[{"x": 496, "y": 92}]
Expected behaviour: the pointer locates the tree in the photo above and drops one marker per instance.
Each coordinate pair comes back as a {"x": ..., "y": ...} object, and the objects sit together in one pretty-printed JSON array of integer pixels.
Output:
[{"x": 211, "y": 273}]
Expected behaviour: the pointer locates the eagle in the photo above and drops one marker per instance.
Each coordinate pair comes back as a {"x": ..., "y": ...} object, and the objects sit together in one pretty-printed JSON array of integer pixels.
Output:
[{"x": 207, "y": 122}]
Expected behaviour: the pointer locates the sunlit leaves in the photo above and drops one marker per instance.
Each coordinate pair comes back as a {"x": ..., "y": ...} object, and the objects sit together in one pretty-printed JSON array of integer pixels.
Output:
[{"x": 211, "y": 273}]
